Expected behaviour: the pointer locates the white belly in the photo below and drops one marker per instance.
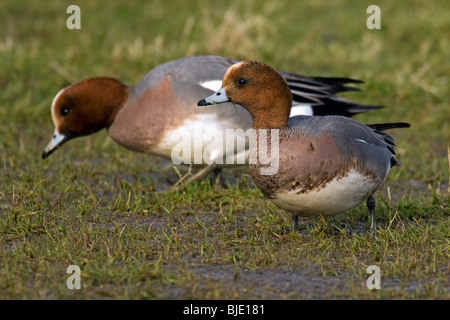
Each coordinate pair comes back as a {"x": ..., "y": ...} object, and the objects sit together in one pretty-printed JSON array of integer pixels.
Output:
[
  {"x": 205, "y": 141},
  {"x": 336, "y": 197}
]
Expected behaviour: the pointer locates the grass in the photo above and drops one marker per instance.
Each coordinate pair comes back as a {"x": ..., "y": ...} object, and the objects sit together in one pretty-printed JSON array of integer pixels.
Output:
[{"x": 93, "y": 203}]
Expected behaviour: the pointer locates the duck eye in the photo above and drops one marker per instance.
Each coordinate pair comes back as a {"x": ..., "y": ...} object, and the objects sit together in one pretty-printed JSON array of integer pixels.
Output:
[
  {"x": 64, "y": 111},
  {"x": 242, "y": 81}
]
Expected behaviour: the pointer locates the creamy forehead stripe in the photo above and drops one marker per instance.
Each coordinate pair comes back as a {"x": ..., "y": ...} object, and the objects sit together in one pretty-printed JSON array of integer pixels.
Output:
[
  {"x": 54, "y": 101},
  {"x": 213, "y": 85}
]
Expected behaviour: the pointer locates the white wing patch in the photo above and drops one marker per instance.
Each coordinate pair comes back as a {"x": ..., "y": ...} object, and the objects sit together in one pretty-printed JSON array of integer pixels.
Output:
[
  {"x": 213, "y": 85},
  {"x": 301, "y": 109}
]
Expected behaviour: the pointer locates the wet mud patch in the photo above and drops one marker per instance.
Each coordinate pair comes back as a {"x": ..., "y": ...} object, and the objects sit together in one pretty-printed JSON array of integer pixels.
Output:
[{"x": 227, "y": 282}]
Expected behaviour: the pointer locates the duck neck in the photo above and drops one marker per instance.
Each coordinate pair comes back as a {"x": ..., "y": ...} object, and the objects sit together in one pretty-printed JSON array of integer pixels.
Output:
[
  {"x": 270, "y": 119},
  {"x": 115, "y": 94}
]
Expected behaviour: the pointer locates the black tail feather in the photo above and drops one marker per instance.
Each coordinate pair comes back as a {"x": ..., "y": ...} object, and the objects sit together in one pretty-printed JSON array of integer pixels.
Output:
[
  {"x": 342, "y": 108},
  {"x": 321, "y": 94},
  {"x": 379, "y": 129},
  {"x": 387, "y": 126}
]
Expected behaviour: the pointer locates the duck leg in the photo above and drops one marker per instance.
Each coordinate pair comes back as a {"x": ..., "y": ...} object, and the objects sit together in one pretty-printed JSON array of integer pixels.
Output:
[
  {"x": 371, "y": 206},
  {"x": 201, "y": 173},
  {"x": 217, "y": 174},
  {"x": 196, "y": 177},
  {"x": 294, "y": 223}
]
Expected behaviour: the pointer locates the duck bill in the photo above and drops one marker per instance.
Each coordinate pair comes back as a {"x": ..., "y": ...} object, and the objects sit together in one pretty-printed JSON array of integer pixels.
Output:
[
  {"x": 57, "y": 141},
  {"x": 215, "y": 98}
]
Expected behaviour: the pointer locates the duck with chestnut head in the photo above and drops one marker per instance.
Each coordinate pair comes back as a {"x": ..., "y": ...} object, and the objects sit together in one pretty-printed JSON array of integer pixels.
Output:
[{"x": 326, "y": 164}]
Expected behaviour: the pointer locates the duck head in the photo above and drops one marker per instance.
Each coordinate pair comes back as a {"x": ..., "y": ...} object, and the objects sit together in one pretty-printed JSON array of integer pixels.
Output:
[
  {"x": 84, "y": 108},
  {"x": 258, "y": 88}
]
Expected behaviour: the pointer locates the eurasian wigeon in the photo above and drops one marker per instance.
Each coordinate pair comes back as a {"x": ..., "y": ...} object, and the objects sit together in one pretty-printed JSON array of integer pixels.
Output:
[
  {"x": 326, "y": 164},
  {"x": 156, "y": 115}
]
